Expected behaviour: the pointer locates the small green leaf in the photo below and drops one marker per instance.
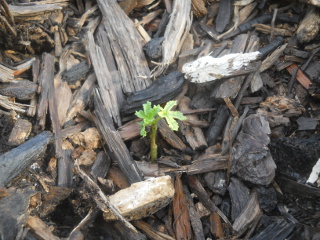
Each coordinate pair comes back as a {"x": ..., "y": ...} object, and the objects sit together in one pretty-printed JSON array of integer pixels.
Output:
[
  {"x": 148, "y": 116},
  {"x": 170, "y": 116}
]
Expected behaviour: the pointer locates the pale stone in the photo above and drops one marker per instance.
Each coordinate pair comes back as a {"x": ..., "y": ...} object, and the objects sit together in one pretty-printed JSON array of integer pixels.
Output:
[{"x": 142, "y": 199}]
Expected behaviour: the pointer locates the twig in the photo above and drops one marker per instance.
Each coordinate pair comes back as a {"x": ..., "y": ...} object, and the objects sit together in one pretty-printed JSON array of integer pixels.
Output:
[
  {"x": 272, "y": 24},
  {"x": 106, "y": 203}
]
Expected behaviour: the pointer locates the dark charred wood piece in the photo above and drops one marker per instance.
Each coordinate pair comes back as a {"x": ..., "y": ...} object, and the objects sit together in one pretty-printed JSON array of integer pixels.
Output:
[
  {"x": 23, "y": 89},
  {"x": 65, "y": 165},
  {"x": 278, "y": 229},
  {"x": 101, "y": 165},
  {"x": 76, "y": 73},
  {"x": 198, "y": 189},
  {"x": 217, "y": 125},
  {"x": 216, "y": 181},
  {"x": 224, "y": 15},
  {"x": 250, "y": 212},
  {"x": 294, "y": 155},
  {"x": 162, "y": 26},
  {"x": 153, "y": 48},
  {"x": 14, "y": 213},
  {"x": 234, "y": 132},
  {"x": 166, "y": 88},
  {"x": 18, "y": 159},
  {"x": 267, "y": 198},
  {"x": 53, "y": 198},
  {"x": 252, "y": 160},
  {"x": 239, "y": 195},
  {"x": 278, "y": 41},
  {"x": 116, "y": 148}
]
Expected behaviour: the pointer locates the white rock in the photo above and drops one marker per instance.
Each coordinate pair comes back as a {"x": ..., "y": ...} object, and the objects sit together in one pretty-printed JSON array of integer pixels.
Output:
[
  {"x": 207, "y": 69},
  {"x": 142, "y": 199}
]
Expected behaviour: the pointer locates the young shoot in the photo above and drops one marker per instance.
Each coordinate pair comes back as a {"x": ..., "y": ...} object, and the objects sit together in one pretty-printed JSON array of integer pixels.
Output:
[{"x": 150, "y": 117}]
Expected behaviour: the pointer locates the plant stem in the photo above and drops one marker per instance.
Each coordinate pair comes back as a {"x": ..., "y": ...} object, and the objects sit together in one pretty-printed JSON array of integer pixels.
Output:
[{"x": 154, "y": 147}]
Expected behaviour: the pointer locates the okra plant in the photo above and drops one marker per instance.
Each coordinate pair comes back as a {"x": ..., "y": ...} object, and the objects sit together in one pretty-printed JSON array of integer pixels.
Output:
[{"x": 150, "y": 117}]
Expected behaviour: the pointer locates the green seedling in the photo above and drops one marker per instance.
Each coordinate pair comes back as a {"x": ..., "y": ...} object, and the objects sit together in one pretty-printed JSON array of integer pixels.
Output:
[{"x": 150, "y": 117}]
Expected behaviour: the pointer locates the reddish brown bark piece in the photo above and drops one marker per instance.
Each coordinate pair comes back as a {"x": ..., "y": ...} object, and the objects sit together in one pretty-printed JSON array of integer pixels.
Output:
[
  {"x": 301, "y": 77},
  {"x": 180, "y": 211},
  {"x": 216, "y": 226}
]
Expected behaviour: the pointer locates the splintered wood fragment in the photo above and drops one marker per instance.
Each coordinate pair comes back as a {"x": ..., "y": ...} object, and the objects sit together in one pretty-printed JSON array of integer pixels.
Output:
[
  {"x": 301, "y": 77},
  {"x": 207, "y": 163},
  {"x": 176, "y": 31},
  {"x": 132, "y": 65},
  {"x": 7, "y": 12},
  {"x": 198, "y": 8},
  {"x": 239, "y": 196},
  {"x": 119, "y": 74},
  {"x": 130, "y": 130},
  {"x": 103, "y": 201},
  {"x": 12, "y": 163},
  {"x": 116, "y": 148},
  {"x": 210, "y": 162},
  {"x": 40, "y": 229},
  {"x": 194, "y": 135},
  {"x": 45, "y": 82},
  {"x": 250, "y": 212},
  {"x": 186, "y": 46},
  {"x": 148, "y": 196},
  {"x": 170, "y": 136},
  {"x": 193, "y": 215},
  {"x": 309, "y": 26},
  {"x": 180, "y": 212},
  {"x": 81, "y": 98},
  {"x": 6, "y": 74},
  {"x": 209, "y": 69},
  {"x": 63, "y": 97},
  {"x": 128, "y": 5},
  {"x": 7, "y": 103},
  {"x": 20, "y": 132},
  {"x": 108, "y": 91},
  {"x": 232, "y": 108},
  {"x": 151, "y": 232},
  {"x": 24, "y": 66},
  {"x": 32, "y": 12},
  {"x": 272, "y": 58},
  {"x": 266, "y": 29}
]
